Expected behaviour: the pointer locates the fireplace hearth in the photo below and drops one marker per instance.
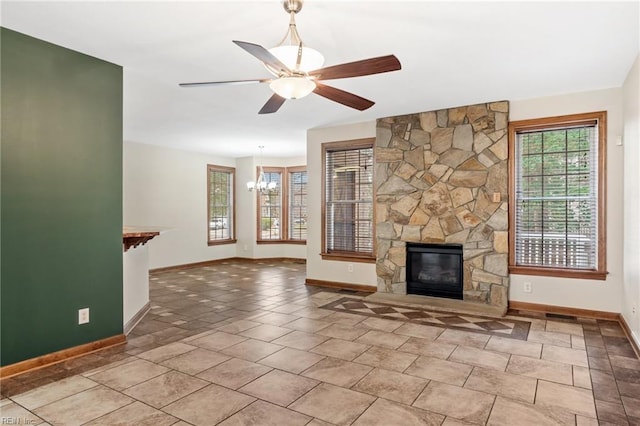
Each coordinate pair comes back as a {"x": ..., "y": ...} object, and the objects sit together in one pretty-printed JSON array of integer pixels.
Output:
[{"x": 434, "y": 270}]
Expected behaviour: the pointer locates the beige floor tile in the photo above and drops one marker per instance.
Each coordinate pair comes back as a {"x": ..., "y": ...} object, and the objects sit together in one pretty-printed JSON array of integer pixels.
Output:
[
  {"x": 382, "y": 339},
  {"x": 333, "y": 404},
  {"x": 464, "y": 338},
  {"x": 308, "y": 325},
  {"x": 129, "y": 374},
  {"x": 265, "y": 332},
  {"x": 238, "y": 326},
  {"x": 313, "y": 313},
  {"x": 11, "y": 410},
  {"x": 581, "y": 377},
  {"x": 391, "y": 385},
  {"x": 632, "y": 405},
  {"x": 165, "y": 352},
  {"x": 54, "y": 391},
  {"x": 251, "y": 350},
  {"x": 426, "y": 347},
  {"x": 514, "y": 347},
  {"x": 508, "y": 385},
  {"x": 550, "y": 338},
  {"x": 452, "y": 421},
  {"x": 540, "y": 369},
  {"x": 83, "y": 407},
  {"x": 505, "y": 411},
  {"x": 138, "y": 414},
  {"x": 611, "y": 412},
  {"x": 420, "y": 331},
  {"x": 342, "y": 349},
  {"x": 217, "y": 341},
  {"x": 565, "y": 355},
  {"x": 380, "y": 324},
  {"x": 577, "y": 342},
  {"x": 234, "y": 373},
  {"x": 275, "y": 318},
  {"x": 386, "y": 358},
  {"x": 337, "y": 372},
  {"x": 344, "y": 318},
  {"x": 165, "y": 389},
  {"x": 196, "y": 361},
  {"x": 292, "y": 360},
  {"x": 300, "y": 340},
  {"x": 388, "y": 413},
  {"x": 287, "y": 308},
  {"x": 340, "y": 331},
  {"x": 481, "y": 358},
  {"x": 440, "y": 370},
  {"x": 565, "y": 327},
  {"x": 586, "y": 421},
  {"x": 279, "y": 387},
  {"x": 464, "y": 404},
  {"x": 625, "y": 362},
  {"x": 209, "y": 405},
  {"x": 266, "y": 414},
  {"x": 575, "y": 400}
]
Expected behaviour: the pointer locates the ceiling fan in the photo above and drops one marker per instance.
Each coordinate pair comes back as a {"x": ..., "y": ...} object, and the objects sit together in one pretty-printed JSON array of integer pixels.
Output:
[{"x": 297, "y": 70}]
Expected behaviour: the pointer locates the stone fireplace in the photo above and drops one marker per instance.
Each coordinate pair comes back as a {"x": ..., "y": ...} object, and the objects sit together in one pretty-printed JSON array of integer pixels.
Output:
[{"x": 441, "y": 178}]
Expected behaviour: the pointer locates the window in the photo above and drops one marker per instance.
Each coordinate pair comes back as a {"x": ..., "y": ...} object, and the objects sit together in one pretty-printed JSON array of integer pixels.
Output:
[
  {"x": 297, "y": 179},
  {"x": 220, "y": 205},
  {"x": 348, "y": 200},
  {"x": 282, "y": 211},
  {"x": 557, "y": 188}
]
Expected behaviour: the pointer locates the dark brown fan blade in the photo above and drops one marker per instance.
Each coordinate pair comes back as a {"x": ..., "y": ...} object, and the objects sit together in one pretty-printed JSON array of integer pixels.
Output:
[
  {"x": 358, "y": 68},
  {"x": 273, "y": 104},
  {"x": 222, "y": 83},
  {"x": 264, "y": 55},
  {"x": 342, "y": 97}
]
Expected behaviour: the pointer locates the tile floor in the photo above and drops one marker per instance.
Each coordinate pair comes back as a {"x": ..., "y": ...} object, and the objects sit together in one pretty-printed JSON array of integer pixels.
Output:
[{"x": 249, "y": 344}]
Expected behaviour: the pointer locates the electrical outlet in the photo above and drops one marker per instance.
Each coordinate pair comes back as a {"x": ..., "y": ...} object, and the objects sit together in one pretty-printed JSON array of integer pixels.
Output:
[
  {"x": 83, "y": 316},
  {"x": 527, "y": 287},
  {"x": 633, "y": 309},
  {"x": 350, "y": 267}
]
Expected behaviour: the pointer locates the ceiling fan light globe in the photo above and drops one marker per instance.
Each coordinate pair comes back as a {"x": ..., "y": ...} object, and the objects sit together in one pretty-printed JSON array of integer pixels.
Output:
[
  {"x": 310, "y": 60},
  {"x": 292, "y": 87}
]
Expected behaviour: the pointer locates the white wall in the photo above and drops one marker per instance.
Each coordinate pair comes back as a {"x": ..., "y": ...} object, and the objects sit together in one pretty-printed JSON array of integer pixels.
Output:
[
  {"x": 631, "y": 286},
  {"x": 580, "y": 293},
  {"x": 135, "y": 282},
  {"x": 317, "y": 268},
  {"x": 168, "y": 188}
]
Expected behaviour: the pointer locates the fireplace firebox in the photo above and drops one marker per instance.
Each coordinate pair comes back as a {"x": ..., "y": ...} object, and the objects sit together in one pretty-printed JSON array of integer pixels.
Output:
[{"x": 435, "y": 270}]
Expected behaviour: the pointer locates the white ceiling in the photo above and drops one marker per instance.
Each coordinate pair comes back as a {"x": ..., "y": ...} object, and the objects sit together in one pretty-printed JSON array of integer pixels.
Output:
[{"x": 452, "y": 53}]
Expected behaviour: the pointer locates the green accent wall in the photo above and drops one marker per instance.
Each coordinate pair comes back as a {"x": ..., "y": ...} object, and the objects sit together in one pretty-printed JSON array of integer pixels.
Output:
[{"x": 61, "y": 206}]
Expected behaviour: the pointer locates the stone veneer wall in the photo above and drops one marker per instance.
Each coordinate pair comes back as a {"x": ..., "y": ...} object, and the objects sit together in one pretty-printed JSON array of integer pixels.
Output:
[{"x": 437, "y": 174}]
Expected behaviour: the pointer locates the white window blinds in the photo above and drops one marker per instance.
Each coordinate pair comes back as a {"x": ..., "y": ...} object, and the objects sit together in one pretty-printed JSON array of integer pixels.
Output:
[
  {"x": 349, "y": 200},
  {"x": 556, "y": 189}
]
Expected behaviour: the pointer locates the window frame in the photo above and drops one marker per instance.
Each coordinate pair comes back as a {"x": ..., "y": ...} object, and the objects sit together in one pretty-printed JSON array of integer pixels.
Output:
[
  {"x": 560, "y": 122},
  {"x": 284, "y": 207},
  {"x": 346, "y": 145},
  {"x": 232, "y": 189}
]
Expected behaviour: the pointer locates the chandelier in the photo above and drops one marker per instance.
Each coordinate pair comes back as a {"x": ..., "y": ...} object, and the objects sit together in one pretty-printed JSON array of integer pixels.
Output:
[{"x": 261, "y": 185}]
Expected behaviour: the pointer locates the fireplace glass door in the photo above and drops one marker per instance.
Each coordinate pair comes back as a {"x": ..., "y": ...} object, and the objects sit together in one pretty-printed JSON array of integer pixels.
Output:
[{"x": 434, "y": 270}]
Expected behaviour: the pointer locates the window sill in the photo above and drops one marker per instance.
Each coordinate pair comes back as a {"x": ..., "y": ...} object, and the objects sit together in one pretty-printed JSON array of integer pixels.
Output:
[
  {"x": 299, "y": 242},
  {"x": 558, "y": 272},
  {"x": 221, "y": 242},
  {"x": 348, "y": 257}
]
